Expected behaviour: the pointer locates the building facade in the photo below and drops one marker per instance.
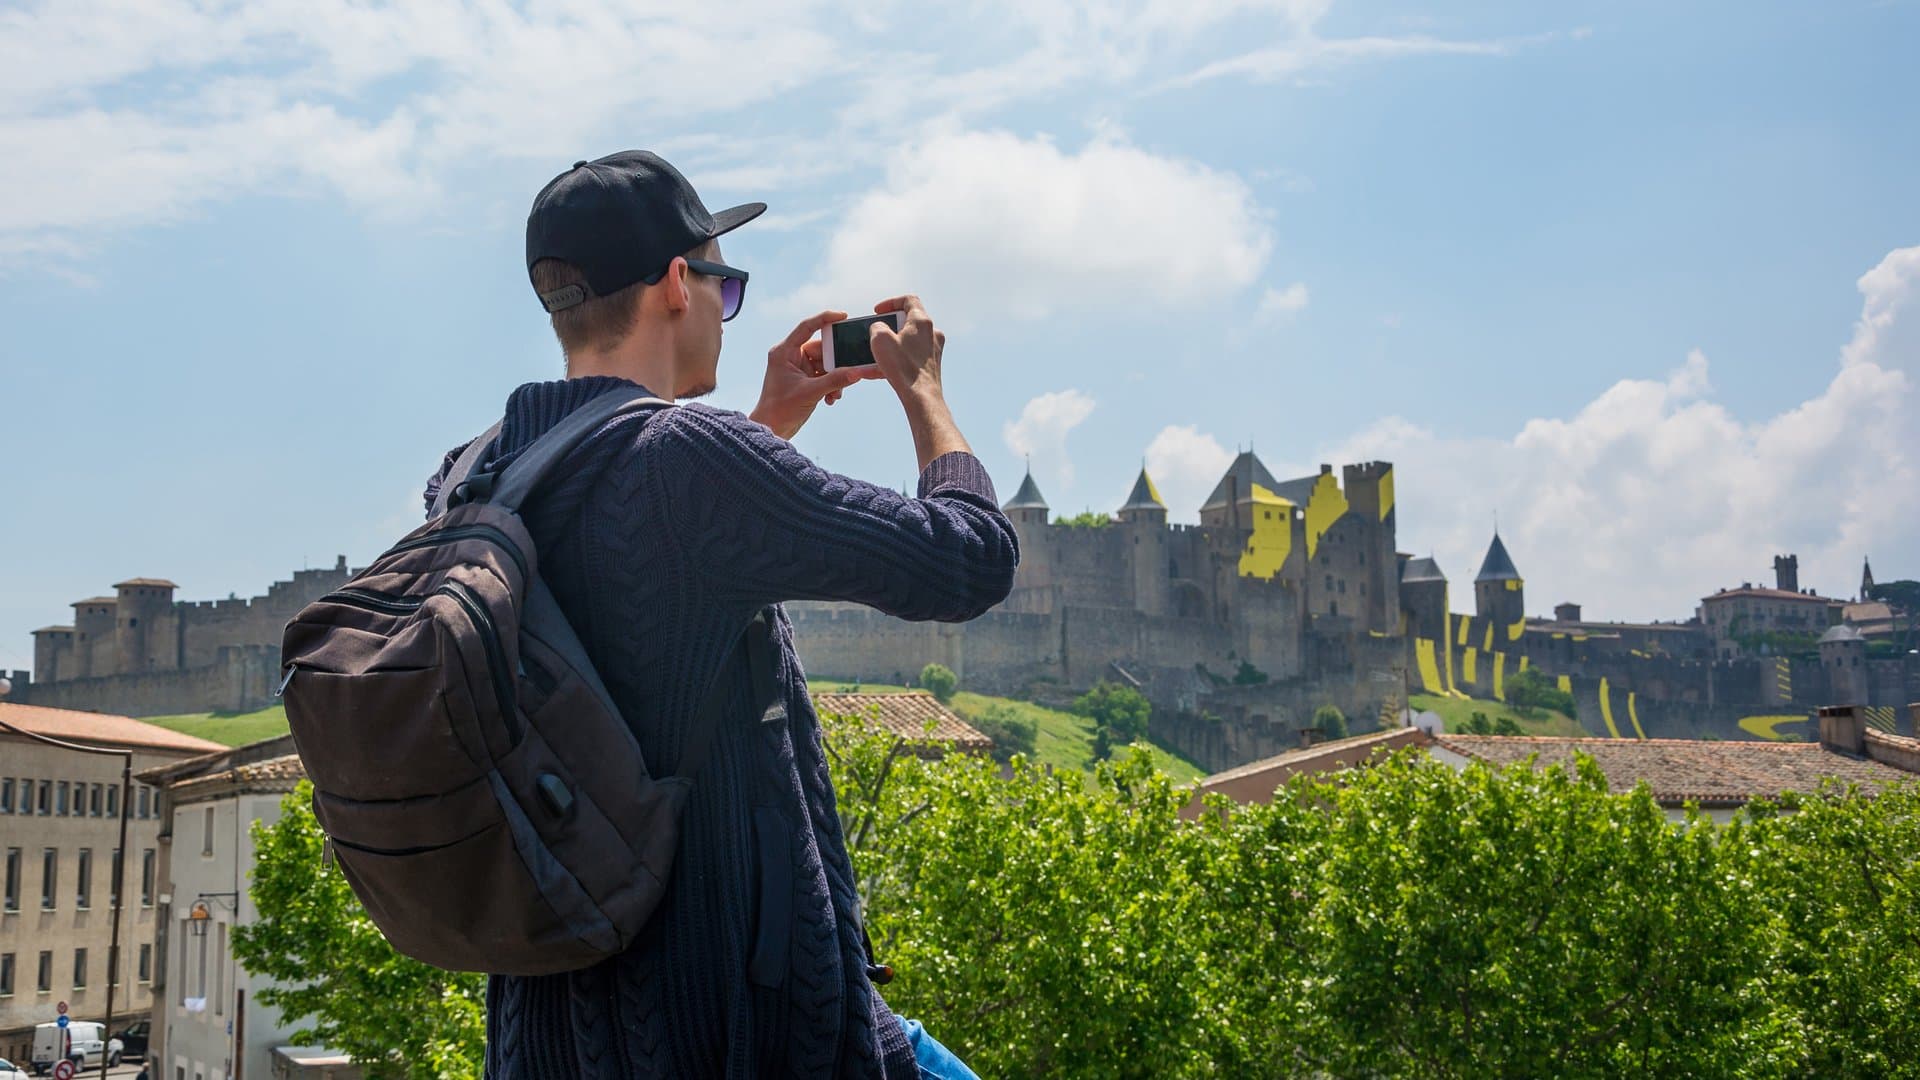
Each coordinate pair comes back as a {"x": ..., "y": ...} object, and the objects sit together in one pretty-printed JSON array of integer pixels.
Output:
[{"x": 59, "y": 830}]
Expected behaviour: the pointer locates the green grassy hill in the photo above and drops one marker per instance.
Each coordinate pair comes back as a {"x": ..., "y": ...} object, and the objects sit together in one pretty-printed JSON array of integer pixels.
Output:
[
  {"x": 1063, "y": 740},
  {"x": 232, "y": 729},
  {"x": 1456, "y": 711}
]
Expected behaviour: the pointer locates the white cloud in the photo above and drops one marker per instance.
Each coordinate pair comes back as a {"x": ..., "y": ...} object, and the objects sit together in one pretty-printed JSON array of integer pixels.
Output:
[
  {"x": 1185, "y": 464},
  {"x": 1040, "y": 434},
  {"x": 1307, "y": 51},
  {"x": 988, "y": 225},
  {"x": 1654, "y": 494},
  {"x": 1280, "y": 303},
  {"x": 121, "y": 113}
]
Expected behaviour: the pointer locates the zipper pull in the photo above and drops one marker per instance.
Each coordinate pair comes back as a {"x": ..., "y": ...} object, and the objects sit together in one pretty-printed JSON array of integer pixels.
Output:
[
  {"x": 282, "y": 688},
  {"x": 326, "y": 851}
]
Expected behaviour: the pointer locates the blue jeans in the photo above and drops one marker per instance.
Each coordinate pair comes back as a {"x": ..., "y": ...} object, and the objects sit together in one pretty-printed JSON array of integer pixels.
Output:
[{"x": 936, "y": 1061}]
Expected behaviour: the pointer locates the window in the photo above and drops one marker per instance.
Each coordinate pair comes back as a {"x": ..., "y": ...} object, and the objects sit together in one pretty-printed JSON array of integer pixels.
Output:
[
  {"x": 113, "y": 880},
  {"x": 46, "y": 971},
  {"x": 49, "y": 877},
  {"x": 46, "y": 797},
  {"x": 206, "y": 833},
  {"x": 83, "y": 898},
  {"x": 60, "y": 803},
  {"x": 220, "y": 973},
  {"x": 143, "y": 801},
  {"x": 79, "y": 969},
  {"x": 12, "y": 900},
  {"x": 200, "y": 985},
  {"x": 113, "y": 802},
  {"x": 6, "y": 974},
  {"x": 6, "y": 795},
  {"x": 1329, "y": 582},
  {"x": 146, "y": 878},
  {"x": 146, "y": 963},
  {"x": 93, "y": 801}
]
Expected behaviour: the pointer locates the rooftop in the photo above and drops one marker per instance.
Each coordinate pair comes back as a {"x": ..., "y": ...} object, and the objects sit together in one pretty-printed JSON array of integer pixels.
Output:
[
  {"x": 1028, "y": 497},
  {"x": 1256, "y": 781},
  {"x": 1686, "y": 770},
  {"x": 907, "y": 715},
  {"x": 1239, "y": 481},
  {"x": 1498, "y": 565},
  {"x": 150, "y": 582},
  {"x": 1144, "y": 495},
  {"x": 1842, "y": 632},
  {"x": 54, "y": 630},
  {"x": 1422, "y": 569},
  {"x": 95, "y": 600},
  {"x": 103, "y": 728},
  {"x": 1771, "y": 594}
]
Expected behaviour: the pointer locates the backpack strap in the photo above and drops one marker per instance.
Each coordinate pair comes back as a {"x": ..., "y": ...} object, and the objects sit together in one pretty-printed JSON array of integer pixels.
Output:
[
  {"x": 510, "y": 488},
  {"x": 754, "y": 647},
  {"x": 468, "y": 460}
]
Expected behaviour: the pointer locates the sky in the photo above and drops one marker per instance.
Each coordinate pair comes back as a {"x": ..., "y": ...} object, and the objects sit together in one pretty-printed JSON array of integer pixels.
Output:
[{"x": 1640, "y": 282}]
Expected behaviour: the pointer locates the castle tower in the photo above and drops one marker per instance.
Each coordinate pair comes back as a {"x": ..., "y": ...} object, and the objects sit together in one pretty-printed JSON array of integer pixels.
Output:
[
  {"x": 1142, "y": 522},
  {"x": 95, "y": 645},
  {"x": 1250, "y": 515},
  {"x": 144, "y": 603},
  {"x": 1423, "y": 596},
  {"x": 1143, "y": 503},
  {"x": 1843, "y": 659},
  {"x": 1498, "y": 593},
  {"x": 52, "y": 653},
  {"x": 1786, "y": 573},
  {"x": 1028, "y": 511},
  {"x": 1027, "y": 507},
  {"x": 1370, "y": 502}
]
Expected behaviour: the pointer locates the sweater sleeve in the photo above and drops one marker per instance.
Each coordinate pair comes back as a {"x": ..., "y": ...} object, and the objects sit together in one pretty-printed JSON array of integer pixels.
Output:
[{"x": 759, "y": 522}]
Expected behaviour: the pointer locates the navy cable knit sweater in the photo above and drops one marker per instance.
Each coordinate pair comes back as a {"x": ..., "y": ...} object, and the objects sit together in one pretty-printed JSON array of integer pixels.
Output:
[{"x": 661, "y": 537}]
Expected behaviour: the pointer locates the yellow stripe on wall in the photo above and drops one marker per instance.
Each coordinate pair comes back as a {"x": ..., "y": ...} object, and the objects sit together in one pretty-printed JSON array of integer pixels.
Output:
[
  {"x": 1469, "y": 670},
  {"x": 1606, "y": 709},
  {"x": 1633, "y": 714},
  {"x": 1499, "y": 676},
  {"x": 1423, "y": 653}
]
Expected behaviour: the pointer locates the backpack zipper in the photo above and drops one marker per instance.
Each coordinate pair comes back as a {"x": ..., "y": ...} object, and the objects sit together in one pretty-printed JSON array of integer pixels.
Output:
[
  {"x": 496, "y": 656},
  {"x": 476, "y": 609},
  {"x": 463, "y": 532}
]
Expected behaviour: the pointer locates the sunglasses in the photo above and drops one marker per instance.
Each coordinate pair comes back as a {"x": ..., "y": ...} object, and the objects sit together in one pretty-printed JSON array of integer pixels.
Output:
[{"x": 733, "y": 285}]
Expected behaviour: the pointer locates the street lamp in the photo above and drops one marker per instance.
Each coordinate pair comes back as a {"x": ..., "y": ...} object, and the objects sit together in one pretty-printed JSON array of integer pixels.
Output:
[{"x": 120, "y": 855}]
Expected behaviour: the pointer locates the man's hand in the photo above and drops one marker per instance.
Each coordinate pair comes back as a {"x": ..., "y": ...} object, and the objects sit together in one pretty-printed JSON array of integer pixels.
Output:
[
  {"x": 796, "y": 382},
  {"x": 910, "y": 359}
]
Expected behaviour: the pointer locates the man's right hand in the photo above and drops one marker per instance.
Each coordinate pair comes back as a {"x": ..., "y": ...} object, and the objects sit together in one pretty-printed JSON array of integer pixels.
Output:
[{"x": 910, "y": 359}]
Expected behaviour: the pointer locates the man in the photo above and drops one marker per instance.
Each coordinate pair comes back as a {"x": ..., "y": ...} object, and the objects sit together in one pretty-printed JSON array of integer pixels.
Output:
[{"x": 662, "y": 536}]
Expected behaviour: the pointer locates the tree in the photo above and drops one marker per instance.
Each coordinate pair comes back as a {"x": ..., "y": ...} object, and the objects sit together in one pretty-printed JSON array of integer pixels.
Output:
[
  {"x": 941, "y": 680},
  {"x": 334, "y": 971},
  {"x": 1011, "y": 732},
  {"x": 1331, "y": 721},
  {"x": 1248, "y": 675},
  {"x": 1478, "y": 724},
  {"x": 1119, "y": 714},
  {"x": 1531, "y": 690},
  {"x": 1086, "y": 519}
]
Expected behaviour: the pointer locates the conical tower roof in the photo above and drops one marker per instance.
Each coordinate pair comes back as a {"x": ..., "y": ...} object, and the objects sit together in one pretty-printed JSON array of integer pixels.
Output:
[
  {"x": 1237, "y": 484},
  {"x": 1144, "y": 495},
  {"x": 1498, "y": 565},
  {"x": 1422, "y": 569},
  {"x": 1028, "y": 497}
]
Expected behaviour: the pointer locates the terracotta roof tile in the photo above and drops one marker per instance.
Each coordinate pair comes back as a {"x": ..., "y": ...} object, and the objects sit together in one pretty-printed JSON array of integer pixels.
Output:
[
  {"x": 907, "y": 715},
  {"x": 1772, "y": 594},
  {"x": 150, "y": 582},
  {"x": 273, "y": 774},
  {"x": 105, "y": 728},
  {"x": 1687, "y": 770},
  {"x": 96, "y": 600}
]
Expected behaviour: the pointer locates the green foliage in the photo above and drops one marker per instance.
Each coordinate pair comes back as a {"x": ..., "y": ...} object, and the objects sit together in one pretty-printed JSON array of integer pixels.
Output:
[
  {"x": 1119, "y": 714},
  {"x": 1458, "y": 714},
  {"x": 1086, "y": 519},
  {"x": 1478, "y": 724},
  {"x": 1248, "y": 675},
  {"x": 335, "y": 974},
  {"x": 1531, "y": 692},
  {"x": 1331, "y": 721},
  {"x": 1011, "y": 732},
  {"x": 1904, "y": 593},
  {"x": 941, "y": 680}
]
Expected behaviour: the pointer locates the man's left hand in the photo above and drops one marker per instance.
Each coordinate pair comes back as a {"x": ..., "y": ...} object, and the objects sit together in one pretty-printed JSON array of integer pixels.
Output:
[{"x": 797, "y": 382}]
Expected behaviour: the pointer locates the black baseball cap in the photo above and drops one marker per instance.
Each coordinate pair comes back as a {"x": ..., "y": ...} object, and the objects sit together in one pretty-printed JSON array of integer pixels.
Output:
[{"x": 621, "y": 219}]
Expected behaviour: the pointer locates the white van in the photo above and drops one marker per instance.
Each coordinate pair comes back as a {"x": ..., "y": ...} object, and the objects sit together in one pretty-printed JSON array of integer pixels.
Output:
[{"x": 83, "y": 1041}]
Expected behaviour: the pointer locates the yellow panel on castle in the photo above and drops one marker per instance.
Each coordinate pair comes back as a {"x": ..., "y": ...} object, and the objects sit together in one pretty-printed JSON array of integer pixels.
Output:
[
  {"x": 1325, "y": 506},
  {"x": 1272, "y": 539},
  {"x": 1423, "y": 654}
]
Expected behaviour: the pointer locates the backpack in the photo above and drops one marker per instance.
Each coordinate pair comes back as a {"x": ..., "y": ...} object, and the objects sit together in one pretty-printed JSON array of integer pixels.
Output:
[{"x": 477, "y": 785}]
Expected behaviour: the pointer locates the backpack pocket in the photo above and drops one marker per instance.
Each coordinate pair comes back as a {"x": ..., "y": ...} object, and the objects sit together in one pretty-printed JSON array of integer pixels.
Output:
[{"x": 388, "y": 734}]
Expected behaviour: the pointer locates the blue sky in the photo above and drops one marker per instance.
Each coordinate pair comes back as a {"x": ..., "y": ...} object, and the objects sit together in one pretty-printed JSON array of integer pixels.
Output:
[{"x": 1639, "y": 279}]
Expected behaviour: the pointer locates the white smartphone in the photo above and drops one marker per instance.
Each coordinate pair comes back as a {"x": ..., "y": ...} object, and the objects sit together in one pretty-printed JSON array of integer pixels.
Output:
[{"x": 848, "y": 343}]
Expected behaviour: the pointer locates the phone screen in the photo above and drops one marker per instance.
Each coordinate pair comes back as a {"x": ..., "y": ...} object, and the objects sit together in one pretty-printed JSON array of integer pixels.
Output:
[{"x": 852, "y": 343}]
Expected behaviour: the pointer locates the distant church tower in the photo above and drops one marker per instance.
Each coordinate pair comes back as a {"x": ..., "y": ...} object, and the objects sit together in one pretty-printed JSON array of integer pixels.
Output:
[
  {"x": 1866, "y": 579},
  {"x": 1499, "y": 594}
]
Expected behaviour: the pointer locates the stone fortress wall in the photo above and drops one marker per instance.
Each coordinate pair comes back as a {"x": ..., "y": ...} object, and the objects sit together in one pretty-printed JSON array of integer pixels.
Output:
[{"x": 1288, "y": 595}]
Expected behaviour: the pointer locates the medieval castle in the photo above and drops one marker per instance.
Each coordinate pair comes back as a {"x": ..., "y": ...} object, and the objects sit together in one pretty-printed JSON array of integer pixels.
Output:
[{"x": 1286, "y": 596}]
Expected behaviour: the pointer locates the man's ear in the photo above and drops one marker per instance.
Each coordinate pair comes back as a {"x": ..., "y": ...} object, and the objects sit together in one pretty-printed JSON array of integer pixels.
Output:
[{"x": 677, "y": 296}]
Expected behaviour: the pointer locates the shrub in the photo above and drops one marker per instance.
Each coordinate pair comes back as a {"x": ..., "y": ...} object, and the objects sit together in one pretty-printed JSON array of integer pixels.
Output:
[{"x": 941, "y": 680}]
